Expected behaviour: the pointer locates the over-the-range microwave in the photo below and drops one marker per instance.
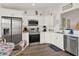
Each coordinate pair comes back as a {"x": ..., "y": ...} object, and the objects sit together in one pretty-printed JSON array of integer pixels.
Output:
[{"x": 33, "y": 23}]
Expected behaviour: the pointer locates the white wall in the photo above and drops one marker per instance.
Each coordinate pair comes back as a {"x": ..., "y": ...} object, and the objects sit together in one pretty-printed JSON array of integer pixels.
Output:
[
  {"x": 58, "y": 11},
  {"x": 73, "y": 16}
]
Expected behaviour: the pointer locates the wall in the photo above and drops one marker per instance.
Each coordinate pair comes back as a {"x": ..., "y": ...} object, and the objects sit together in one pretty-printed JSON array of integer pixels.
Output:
[{"x": 73, "y": 16}]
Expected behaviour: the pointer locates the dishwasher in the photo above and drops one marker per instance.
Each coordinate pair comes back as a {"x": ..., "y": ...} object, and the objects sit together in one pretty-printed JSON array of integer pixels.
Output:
[{"x": 71, "y": 44}]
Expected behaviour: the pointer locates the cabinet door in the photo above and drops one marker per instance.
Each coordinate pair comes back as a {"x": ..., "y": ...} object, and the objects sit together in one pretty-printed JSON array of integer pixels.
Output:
[
  {"x": 46, "y": 20},
  {"x": 57, "y": 40},
  {"x": 49, "y": 20},
  {"x": 25, "y": 36},
  {"x": 41, "y": 21},
  {"x": 42, "y": 37},
  {"x": 53, "y": 38},
  {"x": 60, "y": 41},
  {"x": 25, "y": 21},
  {"x": 48, "y": 37}
]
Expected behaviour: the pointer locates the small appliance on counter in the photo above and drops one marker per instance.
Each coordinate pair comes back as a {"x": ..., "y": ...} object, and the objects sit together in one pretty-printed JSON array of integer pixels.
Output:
[
  {"x": 25, "y": 29},
  {"x": 70, "y": 31},
  {"x": 44, "y": 28}
]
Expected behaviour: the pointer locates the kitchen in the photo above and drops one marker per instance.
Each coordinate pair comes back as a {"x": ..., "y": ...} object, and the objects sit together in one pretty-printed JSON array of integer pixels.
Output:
[{"x": 40, "y": 26}]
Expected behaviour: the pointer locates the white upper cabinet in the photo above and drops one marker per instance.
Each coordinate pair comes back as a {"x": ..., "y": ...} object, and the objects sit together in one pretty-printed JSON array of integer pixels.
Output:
[
  {"x": 46, "y": 20},
  {"x": 32, "y": 17},
  {"x": 35, "y": 17},
  {"x": 41, "y": 21},
  {"x": 49, "y": 20},
  {"x": 25, "y": 21}
]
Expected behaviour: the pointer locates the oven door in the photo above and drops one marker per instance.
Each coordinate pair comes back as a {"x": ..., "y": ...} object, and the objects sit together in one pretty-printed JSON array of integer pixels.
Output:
[{"x": 34, "y": 38}]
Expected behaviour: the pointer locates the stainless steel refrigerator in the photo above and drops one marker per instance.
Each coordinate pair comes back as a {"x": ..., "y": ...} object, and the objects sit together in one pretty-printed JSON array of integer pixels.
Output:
[{"x": 12, "y": 29}]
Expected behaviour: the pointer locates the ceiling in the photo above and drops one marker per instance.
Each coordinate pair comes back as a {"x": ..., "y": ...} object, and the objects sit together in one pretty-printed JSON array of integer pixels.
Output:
[{"x": 25, "y": 6}]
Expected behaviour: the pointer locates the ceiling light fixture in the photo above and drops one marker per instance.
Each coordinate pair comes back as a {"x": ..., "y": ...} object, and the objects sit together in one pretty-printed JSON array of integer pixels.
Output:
[{"x": 33, "y": 4}]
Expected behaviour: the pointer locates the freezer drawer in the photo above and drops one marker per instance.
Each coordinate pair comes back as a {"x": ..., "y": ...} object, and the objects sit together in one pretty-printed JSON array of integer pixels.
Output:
[{"x": 71, "y": 44}]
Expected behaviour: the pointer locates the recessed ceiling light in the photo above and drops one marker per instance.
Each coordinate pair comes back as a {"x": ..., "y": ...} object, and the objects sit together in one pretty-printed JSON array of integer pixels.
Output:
[{"x": 33, "y": 4}]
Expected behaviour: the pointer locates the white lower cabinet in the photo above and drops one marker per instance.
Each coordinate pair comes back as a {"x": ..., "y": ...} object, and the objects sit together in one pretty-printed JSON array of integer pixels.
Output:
[
  {"x": 52, "y": 38},
  {"x": 58, "y": 40},
  {"x": 25, "y": 36},
  {"x": 48, "y": 37},
  {"x": 45, "y": 37},
  {"x": 42, "y": 37}
]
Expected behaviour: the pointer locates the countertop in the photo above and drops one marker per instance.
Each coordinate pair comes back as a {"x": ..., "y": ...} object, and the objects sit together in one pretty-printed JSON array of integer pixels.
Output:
[{"x": 76, "y": 35}]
